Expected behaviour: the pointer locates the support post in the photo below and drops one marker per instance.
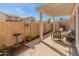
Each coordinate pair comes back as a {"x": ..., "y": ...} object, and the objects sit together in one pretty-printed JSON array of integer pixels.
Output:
[
  {"x": 41, "y": 26},
  {"x": 52, "y": 28},
  {"x": 77, "y": 40}
]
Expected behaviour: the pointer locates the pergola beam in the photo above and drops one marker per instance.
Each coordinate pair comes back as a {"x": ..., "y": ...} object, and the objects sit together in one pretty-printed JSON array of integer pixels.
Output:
[
  {"x": 43, "y": 10},
  {"x": 62, "y": 9}
]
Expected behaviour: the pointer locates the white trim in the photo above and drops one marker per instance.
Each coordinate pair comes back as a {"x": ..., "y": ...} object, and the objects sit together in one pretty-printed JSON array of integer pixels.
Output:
[
  {"x": 41, "y": 26},
  {"x": 76, "y": 24},
  {"x": 77, "y": 46},
  {"x": 77, "y": 42}
]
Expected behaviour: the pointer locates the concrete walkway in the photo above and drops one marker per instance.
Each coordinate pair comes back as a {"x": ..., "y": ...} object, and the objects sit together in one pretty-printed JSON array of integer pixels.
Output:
[{"x": 48, "y": 47}]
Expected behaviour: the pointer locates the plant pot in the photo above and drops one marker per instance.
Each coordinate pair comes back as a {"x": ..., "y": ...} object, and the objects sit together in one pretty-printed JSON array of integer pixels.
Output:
[{"x": 28, "y": 40}]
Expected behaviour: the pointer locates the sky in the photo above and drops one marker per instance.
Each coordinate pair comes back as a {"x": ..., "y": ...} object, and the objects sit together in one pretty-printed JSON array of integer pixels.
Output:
[{"x": 23, "y": 9}]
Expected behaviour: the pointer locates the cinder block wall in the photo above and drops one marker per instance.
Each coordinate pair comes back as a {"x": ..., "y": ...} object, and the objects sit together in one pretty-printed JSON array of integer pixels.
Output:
[{"x": 2, "y": 17}]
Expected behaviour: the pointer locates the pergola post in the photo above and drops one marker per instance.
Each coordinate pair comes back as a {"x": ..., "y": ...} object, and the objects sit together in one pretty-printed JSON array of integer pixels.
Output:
[
  {"x": 53, "y": 27},
  {"x": 41, "y": 26},
  {"x": 77, "y": 40}
]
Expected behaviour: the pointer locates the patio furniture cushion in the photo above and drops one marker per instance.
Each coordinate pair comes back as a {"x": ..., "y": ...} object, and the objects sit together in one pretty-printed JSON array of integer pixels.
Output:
[{"x": 68, "y": 34}]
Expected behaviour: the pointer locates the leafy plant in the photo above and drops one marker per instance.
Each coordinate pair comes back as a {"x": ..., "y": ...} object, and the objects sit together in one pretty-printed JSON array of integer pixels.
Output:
[
  {"x": 61, "y": 18},
  {"x": 1, "y": 49},
  {"x": 49, "y": 20},
  {"x": 28, "y": 38}
]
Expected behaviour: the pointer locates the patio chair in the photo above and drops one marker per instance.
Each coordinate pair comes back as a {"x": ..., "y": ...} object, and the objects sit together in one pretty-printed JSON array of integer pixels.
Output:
[
  {"x": 57, "y": 34},
  {"x": 68, "y": 36}
]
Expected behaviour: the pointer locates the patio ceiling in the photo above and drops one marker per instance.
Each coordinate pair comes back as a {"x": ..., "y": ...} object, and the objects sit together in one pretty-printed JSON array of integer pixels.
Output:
[{"x": 57, "y": 9}]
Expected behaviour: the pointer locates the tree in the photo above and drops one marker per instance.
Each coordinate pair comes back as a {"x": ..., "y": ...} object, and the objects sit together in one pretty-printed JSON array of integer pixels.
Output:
[
  {"x": 49, "y": 20},
  {"x": 61, "y": 18}
]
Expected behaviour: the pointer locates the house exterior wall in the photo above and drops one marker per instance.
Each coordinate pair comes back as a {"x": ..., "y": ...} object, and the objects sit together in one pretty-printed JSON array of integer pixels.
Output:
[
  {"x": 77, "y": 26},
  {"x": 9, "y": 18},
  {"x": 12, "y": 18},
  {"x": 29, "y": 19},
  {"x": 72, "y": 22},
  {"x": 2, "y": 17}
]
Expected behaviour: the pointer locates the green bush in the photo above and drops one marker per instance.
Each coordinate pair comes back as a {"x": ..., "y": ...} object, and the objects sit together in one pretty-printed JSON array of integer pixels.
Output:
[
  {"x": 1, "y": 49},
  {"x": 28, "y": 38},
  {"x": 49, "y": 20},
  {"x": 61, "y": 18}
]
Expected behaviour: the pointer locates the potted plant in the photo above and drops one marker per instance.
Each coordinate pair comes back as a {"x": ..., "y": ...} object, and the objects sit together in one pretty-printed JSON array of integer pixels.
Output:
[
  {"x": 28, "y": 38},
  {"x": 4, "y": 48},
  {"x": 4, "y": 51}
]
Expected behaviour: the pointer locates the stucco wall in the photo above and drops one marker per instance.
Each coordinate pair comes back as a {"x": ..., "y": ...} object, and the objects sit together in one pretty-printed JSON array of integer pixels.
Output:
[{"x": 2, "y": 17}]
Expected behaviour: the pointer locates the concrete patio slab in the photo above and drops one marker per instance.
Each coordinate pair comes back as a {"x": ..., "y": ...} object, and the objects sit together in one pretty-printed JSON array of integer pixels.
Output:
[{"x": 48, "y": 47}]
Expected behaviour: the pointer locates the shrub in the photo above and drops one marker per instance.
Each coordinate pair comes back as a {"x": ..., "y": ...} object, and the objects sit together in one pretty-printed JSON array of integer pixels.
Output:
[
  {"x": 28, "y": 38},
  {"x": 49, "y": 20},
  {"x": 61, "y": 18}
]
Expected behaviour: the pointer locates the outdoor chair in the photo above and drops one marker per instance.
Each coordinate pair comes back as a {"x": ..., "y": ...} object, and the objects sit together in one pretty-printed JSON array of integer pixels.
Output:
[
  {"x": 67, "y": 36},
  {"x": 57, "y": 34}
]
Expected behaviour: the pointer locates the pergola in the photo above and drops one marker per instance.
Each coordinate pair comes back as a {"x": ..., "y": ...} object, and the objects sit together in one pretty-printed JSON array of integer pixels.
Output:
[{"x": 58, "y": 9}]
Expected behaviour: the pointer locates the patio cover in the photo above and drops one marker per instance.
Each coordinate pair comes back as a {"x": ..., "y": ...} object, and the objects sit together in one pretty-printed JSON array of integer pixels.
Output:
[
  {"x": 61, "y": 9},
  {"x": 57, "y": 9}
]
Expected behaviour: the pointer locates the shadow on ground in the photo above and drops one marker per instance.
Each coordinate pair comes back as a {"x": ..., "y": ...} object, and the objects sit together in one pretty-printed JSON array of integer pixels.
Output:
[
  {"x": 73, "y": 52},
  {"x": 62, "y": 43},
  {"x": 53, "y": 49}
]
